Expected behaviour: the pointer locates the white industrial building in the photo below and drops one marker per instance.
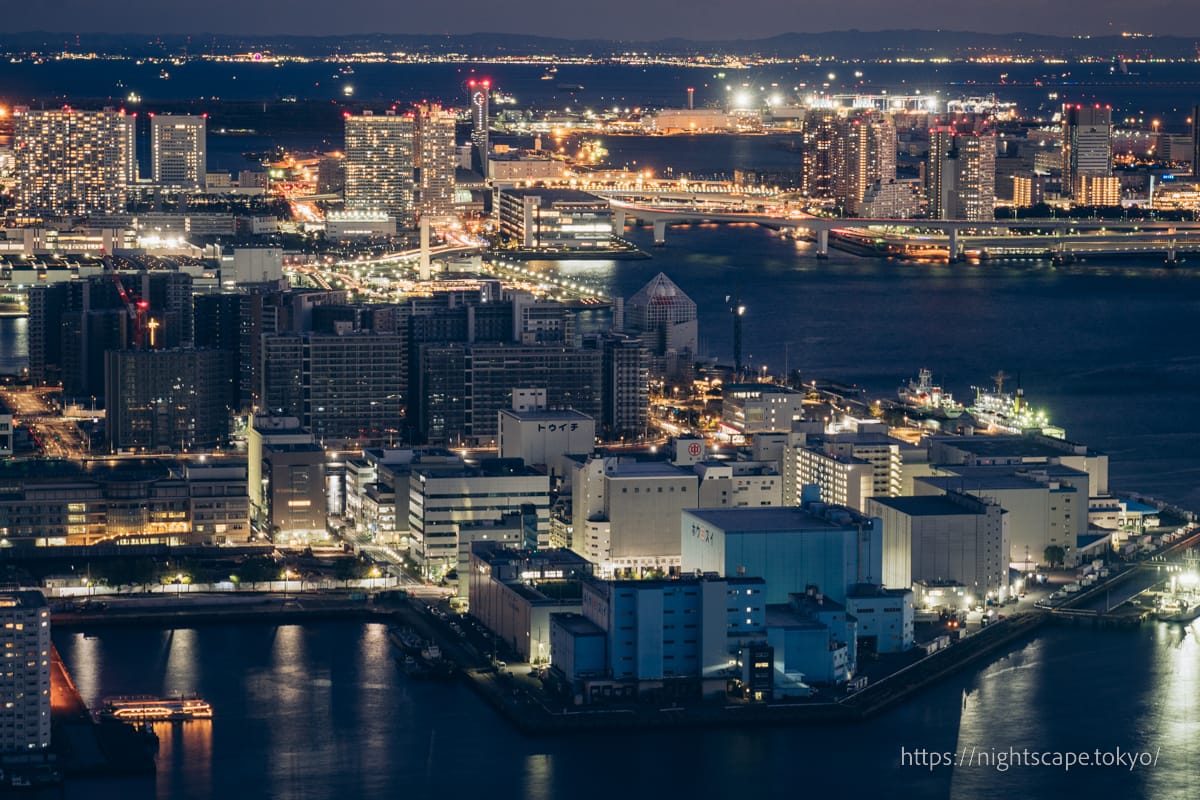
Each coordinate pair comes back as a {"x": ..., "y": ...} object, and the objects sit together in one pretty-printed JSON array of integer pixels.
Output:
[
  {"x": 955, "y": 537},
  {"x": 543, "y": 437},
  {"x": 827, "y": 547},
  {"x": 1047, "y": 506},
  {"x": 444, "y": 497},
  {"x": 748, "y": 408},
  {"x": 626, "y": 513}
]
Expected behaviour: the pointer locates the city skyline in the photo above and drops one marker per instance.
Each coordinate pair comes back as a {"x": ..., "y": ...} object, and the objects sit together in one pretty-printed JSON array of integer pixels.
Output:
[{"x": 641, "y": 21}]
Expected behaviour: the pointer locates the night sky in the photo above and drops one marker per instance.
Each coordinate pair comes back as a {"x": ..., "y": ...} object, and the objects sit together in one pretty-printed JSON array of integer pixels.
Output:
[{"x": 619, "y": 19}]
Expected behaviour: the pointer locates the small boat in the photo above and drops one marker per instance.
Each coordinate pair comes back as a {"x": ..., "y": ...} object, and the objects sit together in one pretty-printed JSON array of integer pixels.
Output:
[
  {"x": 406, "y": 640},
  {"x": 432, "y": 654}
]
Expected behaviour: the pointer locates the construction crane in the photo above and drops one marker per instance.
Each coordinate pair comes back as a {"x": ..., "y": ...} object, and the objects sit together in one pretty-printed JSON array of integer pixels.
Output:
[{"x": 136, "y": 309}]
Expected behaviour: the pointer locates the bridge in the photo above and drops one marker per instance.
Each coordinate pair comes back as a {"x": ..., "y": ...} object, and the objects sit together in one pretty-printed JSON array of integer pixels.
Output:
[{"x": 1065, "y": 238}]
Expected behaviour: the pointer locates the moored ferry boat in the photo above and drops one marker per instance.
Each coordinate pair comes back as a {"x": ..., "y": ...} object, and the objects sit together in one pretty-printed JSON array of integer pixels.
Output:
[{"x": 139, "y": 709}]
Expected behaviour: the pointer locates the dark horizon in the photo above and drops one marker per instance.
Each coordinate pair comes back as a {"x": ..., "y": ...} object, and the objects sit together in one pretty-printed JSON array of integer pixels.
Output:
[{"x": 624, "y": 20}]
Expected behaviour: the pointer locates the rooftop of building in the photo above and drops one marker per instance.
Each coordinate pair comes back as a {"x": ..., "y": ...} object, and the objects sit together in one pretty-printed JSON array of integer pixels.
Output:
[
  {"x": 547, "y": 414},
  {"x": 778, "y": 519},
  {"x": 927, "y": 506},
  {"x": 495, "y": 554},
  {"x": 52, "y": 470},
  {"x": 783, "y": 615},
  {"x": 549, "y": 592},
  {"x": 863, "y": 591},
  {"x": 658, "y": 290},
  {"x": 22, "y": 598},
  {"x": 576, "y": 624},
  {"x": 487, "y": 468},
  {"x": 1001, "y": 480},
  {"x": 682, "y": 580},
  {"x": 520, "y": 155},
  {"x": 753, "y": 389},
  {"x": 1051, "y": 471},
  {"x": 292, "y": 447},
  {"x": 1014, "y": 445},
  {"x": 631, "y": 468}
]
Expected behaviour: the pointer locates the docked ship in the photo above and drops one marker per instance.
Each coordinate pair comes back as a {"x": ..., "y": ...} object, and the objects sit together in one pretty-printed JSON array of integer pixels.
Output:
[
  {"x": 407, "y": 641},
  {"x": 142, "y": 709},
  {"x": 1177, "y": 609},
  {"x": 924, "y": 397},
  {"x": 1006, "y": 412}
]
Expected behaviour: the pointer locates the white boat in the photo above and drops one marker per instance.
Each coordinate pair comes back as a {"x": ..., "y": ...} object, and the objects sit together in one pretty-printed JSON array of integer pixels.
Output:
[
  {"x": 1177, "y": 609},
  {"x": 924, "y": 396},
  {"x": 1008, "y": 413}
]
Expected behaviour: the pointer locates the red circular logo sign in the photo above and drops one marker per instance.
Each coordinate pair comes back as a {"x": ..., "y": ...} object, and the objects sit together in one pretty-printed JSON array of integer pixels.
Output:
[{"x": 694, "y": 449}]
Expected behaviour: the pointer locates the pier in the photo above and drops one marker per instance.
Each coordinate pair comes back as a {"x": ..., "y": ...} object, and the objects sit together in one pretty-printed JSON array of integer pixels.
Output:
[{"x": 82, "y": 745}]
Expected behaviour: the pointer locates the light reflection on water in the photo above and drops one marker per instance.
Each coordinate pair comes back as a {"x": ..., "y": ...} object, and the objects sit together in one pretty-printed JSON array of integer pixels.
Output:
[{"x": 324, "y": 711}]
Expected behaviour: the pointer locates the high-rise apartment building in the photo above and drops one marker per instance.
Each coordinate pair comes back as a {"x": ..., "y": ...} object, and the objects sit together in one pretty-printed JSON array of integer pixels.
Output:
[
  {"x": 342, "y": 387},
  {"x": 819, "y": 154},
  {"x": 1087, "y": 144},
  {"x": 459, "y": 389},
  {"x": 436, "y": 160},
  {"x": 1195, "y": 141},
  {"x": 166, "y": 399},
  {"x": 73, "y": 162},
  {"x": 624, "y": 384},
  {"x": 961, "y": 174},
  {"x": 380, "y": 165},
  {"x": 178, "y": 151},
  {"x": 867, "y": 156},
  {"x": 25, "y": 677}
]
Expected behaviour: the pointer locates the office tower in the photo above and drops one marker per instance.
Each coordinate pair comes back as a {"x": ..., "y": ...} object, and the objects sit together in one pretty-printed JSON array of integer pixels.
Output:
[
  {"x": 666, "y": 319},
  {"x": 73, "y": 162},
  {"x": 25, "y": 679},
  {"x": 961, "y": 173},
  {"x": 867, "y": 157},
  {"x": 380, "y": 165},
  {"x": 479, "y": 91},
  {"x": 436, "y": 159},
  {"x": 1087, "y": 144},
  {"x": 178, "y": 151},
  {"x": 166, "y": 399}
]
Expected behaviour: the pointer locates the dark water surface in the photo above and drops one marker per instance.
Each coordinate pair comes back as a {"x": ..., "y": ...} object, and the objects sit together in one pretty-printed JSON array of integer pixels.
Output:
[{"x": 323, "y": 711}]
